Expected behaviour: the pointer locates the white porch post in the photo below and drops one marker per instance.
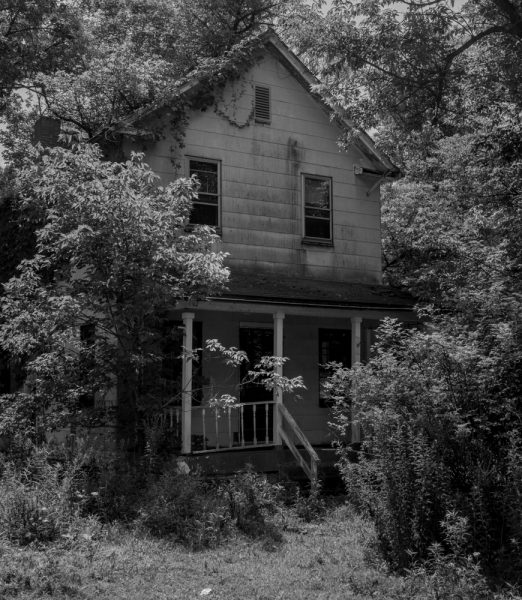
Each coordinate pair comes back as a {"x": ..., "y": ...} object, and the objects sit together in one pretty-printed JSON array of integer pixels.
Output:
[
  {"x": 356, "y": 358},
  {"x": 278, "y": 393},
  {"x": 186, "y": 383}
]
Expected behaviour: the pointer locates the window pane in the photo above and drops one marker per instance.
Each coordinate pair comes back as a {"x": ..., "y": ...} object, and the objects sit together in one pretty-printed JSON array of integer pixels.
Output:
[
  {"x": 207, "y": 174},
  {"x": 317, "y": 193},
  {"x": 207, "y": 199},
  {"x": 203, "y": 214},
  {"x": 200, "y": 165},
  {"x": 317, "y": 228},
  {"x": 317, "y": 212},
  {"x": 205, "y": 210}
]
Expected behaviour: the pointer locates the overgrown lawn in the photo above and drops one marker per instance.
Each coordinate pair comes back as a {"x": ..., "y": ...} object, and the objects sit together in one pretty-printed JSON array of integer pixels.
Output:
[{"x": 329, "y": 559}]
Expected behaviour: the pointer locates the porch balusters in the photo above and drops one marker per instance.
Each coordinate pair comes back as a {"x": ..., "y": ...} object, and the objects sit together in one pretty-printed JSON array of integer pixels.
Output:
[
  {"x": 230, "y": 436},
  {"x": 218, "y": 427}
]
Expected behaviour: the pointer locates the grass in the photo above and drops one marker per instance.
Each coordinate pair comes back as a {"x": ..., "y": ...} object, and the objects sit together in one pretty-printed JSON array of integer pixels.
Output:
[{"x": 331, "y": 559}]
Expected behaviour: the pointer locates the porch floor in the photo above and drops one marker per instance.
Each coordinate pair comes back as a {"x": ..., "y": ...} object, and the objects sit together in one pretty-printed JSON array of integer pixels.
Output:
[{"x": 278, "y": 461}]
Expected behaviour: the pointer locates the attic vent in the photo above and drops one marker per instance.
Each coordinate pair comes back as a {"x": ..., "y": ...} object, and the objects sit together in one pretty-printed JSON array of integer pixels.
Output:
[{"x": 262, "y": 104}]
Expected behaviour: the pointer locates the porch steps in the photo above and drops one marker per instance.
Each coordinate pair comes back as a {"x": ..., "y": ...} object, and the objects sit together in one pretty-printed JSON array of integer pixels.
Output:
[{"x": 272, "y": 460}]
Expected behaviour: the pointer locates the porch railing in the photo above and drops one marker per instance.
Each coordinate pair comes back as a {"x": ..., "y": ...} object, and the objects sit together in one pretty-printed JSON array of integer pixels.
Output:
[
  {"x": 290, "y": 431},
  {"x": 244, "y": 425}
]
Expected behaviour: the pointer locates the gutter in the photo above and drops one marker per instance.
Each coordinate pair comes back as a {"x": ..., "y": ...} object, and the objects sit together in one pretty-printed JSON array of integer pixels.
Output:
[{"x": 309, "y": 304}]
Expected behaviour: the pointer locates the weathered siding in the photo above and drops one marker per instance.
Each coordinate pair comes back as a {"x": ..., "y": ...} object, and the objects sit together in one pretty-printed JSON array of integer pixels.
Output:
[{"x": 261, "y": 168}]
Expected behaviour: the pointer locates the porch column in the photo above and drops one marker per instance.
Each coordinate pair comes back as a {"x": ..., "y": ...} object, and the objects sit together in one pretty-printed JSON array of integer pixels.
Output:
[
  {"x": 278, "y": 393},
  {"x": 356, "y": 358},
  {"x": 186, "y": 383}
]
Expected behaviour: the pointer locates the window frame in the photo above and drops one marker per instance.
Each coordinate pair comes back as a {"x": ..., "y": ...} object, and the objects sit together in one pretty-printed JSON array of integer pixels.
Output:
[
  {"x": 327, "y": 334},
  {"x": 216, "y": 162},
  {"x": 320, "y": 241}
]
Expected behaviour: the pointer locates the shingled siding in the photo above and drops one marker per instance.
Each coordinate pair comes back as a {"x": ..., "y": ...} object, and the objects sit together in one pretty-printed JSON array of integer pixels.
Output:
[{"x": 261, "y": 180}]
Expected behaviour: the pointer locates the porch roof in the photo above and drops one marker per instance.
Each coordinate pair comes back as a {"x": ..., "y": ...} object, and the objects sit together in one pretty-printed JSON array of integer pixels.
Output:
[{"x": 280, "y": 289}]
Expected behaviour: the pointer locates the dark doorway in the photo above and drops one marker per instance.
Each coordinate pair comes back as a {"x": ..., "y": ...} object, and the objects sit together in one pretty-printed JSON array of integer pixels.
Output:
[{"x": 257, "y": 422}]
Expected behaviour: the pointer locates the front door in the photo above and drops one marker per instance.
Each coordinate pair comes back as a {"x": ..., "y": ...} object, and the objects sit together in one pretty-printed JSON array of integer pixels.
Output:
[{"x": 257, "y": 422}]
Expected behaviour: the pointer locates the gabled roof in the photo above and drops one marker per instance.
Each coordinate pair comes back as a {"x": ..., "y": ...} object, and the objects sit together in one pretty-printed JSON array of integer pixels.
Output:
[{"x": 272, "y": 42}]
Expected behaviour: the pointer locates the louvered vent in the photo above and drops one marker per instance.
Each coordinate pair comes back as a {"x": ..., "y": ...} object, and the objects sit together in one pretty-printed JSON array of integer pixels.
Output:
[{"x": 262, "y": 104}]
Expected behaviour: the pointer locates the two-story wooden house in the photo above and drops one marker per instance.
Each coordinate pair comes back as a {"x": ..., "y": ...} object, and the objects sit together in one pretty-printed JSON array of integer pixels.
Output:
[{"x": 300, "y": 219}]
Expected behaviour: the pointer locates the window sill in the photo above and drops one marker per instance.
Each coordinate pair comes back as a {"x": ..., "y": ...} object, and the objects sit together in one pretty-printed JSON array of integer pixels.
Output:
[
  {"x": 190, "y": 227},
  {"x": 307, "y": 241}
]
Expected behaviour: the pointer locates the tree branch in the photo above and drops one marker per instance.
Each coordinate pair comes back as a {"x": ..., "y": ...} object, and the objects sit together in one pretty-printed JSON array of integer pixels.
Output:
[{"x": 472, "y": 40}]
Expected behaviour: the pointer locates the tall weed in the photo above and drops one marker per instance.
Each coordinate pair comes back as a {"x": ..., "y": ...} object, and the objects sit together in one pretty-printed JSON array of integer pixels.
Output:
[{"x": 41, "y": 501}]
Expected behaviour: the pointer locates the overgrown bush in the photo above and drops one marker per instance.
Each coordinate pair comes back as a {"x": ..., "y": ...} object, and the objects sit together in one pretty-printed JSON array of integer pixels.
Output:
[
  {"x": 200, "y": 513},
  {"x": 451, "y": 574},
  {"x": 440, "y": 434},
  {"x": 40, "y": 502},
  {"x": 253, "y": 502},
  {"x": 184, "y": 508}
]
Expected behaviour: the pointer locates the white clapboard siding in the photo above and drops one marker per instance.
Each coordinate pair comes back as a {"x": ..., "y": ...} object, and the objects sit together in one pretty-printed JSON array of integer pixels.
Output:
[{"x": 261, "y": 179}]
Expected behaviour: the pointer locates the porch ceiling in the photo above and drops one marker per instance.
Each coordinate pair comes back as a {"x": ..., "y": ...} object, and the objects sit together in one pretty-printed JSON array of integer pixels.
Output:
[{"x": 276, "y": 288}]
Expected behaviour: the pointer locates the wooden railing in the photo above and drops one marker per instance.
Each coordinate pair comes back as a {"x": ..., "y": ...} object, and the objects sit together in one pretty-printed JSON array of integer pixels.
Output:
[
  {"x": 289, "y": 430},
  {"x": 243, "y": 425}
]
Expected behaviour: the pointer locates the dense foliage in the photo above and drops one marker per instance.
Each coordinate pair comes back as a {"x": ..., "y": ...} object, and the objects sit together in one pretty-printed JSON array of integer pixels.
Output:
[
  {"x": 123, "y": 55},
  {"x": 112, "y": 257},
  {"x": 440, "y": 408},
  {"x": 442, "y": 436}
]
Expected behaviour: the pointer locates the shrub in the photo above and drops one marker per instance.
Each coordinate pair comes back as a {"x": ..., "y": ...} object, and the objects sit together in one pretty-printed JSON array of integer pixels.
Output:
[
  {"x": 453, "y": 574},
  {"x": 40, "y": 502},
  {"x": 185, "y": 509},
  {"x": 311, "y": 506},
  {"x": 253, "y": 503},
  {"x": 439, "y": 435}
]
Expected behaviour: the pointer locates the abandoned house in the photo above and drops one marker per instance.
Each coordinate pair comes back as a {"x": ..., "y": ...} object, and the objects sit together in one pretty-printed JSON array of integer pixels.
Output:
[{"x": 300, "y": 219}]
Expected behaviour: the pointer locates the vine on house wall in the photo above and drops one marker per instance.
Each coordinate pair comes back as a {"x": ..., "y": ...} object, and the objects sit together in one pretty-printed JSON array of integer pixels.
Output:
[
  {"x": 211, "y": 76},
  {"x": 233, "y": 104}
]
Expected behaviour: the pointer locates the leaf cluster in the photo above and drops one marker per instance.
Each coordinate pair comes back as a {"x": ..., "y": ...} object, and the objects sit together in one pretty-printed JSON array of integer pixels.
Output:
[{"x": 113, "y": 253}]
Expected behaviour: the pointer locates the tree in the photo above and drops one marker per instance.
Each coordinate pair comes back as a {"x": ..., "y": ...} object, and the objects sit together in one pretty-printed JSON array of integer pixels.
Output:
[
  {"x": 138, "y": 52},
  {"x": 404, "y": 62},
  {"x": 112, "y": 259},
  {"x": 34, "y": 37}
]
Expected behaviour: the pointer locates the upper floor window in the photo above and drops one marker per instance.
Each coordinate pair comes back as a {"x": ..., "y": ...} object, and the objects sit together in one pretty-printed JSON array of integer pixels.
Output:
[
  {"x": 205, "y": 210},
  {"x": 262, "y": 104},
  {"x": 317, "y": 193}
]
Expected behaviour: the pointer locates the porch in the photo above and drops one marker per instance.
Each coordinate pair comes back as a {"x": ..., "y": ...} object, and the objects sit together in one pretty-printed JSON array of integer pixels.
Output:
[{"x": 310, "y": 323}]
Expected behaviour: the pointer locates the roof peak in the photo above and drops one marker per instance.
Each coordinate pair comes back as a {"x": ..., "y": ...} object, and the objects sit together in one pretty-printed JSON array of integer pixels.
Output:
[{"x": 273, "y": 43}]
